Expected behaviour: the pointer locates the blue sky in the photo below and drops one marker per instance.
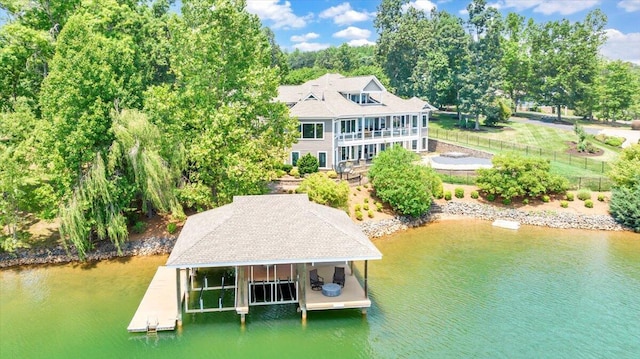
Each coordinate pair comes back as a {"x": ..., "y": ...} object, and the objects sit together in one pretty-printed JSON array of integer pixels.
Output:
[{"x": 317, "y": 24}]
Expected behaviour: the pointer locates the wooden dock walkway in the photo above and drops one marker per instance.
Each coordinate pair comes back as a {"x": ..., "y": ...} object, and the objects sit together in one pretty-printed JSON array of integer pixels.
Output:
[{"x": 158, "y": 309}]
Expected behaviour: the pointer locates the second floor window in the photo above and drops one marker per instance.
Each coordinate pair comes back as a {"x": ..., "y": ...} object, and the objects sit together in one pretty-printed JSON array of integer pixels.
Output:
[{"x": 312, "y": 130}]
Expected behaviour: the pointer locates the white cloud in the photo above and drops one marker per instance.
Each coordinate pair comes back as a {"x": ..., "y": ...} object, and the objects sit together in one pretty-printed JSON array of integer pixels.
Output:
[
  {"x": 621, "y": 46},
  {"x": 546, "y": 7},
  {"x": 629, "y": 5},
  {"x": 360, "y": 42},
  {"x": 280, "y": 14},
  {"x": 310, "y": 46},
  {"x": 343, "y": 14},
  {"x": 463, "y": 12},
  {"x": 305, "y": 37},
  {"x": 353, "y": 32},
  {"x": 424, "y": 5}
]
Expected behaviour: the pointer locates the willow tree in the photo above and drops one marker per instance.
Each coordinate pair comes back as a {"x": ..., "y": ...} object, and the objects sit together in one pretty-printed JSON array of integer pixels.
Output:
[
  {"x": 223, "y": 113},
  {"x": 133, "y": 171}
]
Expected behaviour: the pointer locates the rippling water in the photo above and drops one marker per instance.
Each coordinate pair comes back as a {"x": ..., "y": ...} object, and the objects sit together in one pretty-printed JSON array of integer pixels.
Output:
[{"x": 455, "y": 289}]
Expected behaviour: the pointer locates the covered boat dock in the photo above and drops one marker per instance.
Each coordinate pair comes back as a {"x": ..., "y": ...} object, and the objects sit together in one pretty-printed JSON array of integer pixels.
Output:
[{"x": 259, "y": 250}]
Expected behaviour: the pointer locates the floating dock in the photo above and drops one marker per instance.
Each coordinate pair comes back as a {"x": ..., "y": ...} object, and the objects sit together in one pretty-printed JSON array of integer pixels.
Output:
[
  {"x": 503, "y": 223},
  {"x": 159, "y": 307}
]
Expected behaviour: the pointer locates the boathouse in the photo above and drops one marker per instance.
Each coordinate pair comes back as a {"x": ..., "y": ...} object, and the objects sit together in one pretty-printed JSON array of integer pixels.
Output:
[{"x": 260, "y": 250}]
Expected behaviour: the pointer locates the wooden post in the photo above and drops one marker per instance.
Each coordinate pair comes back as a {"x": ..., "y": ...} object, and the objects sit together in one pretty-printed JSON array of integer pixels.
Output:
[
  {"x": 179, "y": 296},
  {"x": 366, "y": 269},
  {"x": 242, "y": 318}
]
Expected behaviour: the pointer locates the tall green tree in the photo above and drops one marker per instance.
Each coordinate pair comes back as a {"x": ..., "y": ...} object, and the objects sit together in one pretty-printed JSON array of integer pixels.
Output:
[
  {"x": 616, "y": 88},
  {"x": 484, "y": 75},
  {"x": 564, "y": 61},
  {"x": 516, "y": 50},
  {"x": 234, "y": 134}
]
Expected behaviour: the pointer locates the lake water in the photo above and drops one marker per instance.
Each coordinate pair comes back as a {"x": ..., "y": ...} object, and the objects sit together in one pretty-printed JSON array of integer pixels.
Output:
[{"x": 455, "y": 289}]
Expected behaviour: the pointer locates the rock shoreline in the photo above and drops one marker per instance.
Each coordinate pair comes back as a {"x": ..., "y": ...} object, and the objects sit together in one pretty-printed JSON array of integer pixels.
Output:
[
  {"x": 374, "y": 229},
  {"x": 490, "y": 213}
]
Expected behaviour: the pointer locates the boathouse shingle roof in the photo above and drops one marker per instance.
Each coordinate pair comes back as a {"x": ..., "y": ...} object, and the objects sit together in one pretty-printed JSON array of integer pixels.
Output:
[{"x": 270, "y": 229}]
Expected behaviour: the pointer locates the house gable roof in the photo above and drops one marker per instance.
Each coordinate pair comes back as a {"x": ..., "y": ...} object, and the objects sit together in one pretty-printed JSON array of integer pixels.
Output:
[
  {"x": 330, "y": 90},
  {"x": 270, "y": 229}
]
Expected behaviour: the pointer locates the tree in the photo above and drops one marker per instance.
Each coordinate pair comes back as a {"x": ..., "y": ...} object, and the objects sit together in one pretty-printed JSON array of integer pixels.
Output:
[
  {"x": 616, "y": 88},
  {"x": 324, "y": 190},
  {"x": 625, "y": 205},
  {"x": 564, "y": 61},
  {"x": 625, "y": 171},
  {"x": 307, "y": 164},
  {"x": 514, "y": 176},
  {"x": 498, "y": 111},
  {"x": 92, "y": 73},
  {"x": 516, "y": 62},
  {"x": 439, "y": 71},
  {"x": 483, "y": 75},
  {"x": 233, "y": 133},
  {"x": 406, "y": 185}
]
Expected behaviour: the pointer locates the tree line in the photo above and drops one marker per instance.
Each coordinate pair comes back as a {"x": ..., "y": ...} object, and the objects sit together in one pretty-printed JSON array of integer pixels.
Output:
[
  {"x": 486, "y": 64},
  {"x": 114, "y": 109}
]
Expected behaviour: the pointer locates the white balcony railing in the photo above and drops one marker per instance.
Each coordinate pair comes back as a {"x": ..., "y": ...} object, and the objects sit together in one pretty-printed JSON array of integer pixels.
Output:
[{"x": 396, "y": 133}]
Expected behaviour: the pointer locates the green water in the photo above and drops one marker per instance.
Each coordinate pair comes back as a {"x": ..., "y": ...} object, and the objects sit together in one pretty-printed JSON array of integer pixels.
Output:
[{"x": 455, "y": 289}]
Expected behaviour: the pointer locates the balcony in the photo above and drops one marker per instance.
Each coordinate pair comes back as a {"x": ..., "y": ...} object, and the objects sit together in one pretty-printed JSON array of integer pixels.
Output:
[{"x": 372, "y": 136}]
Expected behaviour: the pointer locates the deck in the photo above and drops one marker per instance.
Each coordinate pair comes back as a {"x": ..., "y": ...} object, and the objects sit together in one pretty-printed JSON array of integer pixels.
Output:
[
  {"x": 352, "y": 295},
  {"x": 158, "y": 309}
]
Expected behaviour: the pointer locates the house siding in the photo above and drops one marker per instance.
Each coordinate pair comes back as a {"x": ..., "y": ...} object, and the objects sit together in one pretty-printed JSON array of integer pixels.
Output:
[{"x": 314, "y": 146}]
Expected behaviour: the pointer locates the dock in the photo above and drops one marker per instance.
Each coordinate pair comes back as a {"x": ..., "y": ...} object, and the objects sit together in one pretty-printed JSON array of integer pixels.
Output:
[{"x": 158, "y": 309}]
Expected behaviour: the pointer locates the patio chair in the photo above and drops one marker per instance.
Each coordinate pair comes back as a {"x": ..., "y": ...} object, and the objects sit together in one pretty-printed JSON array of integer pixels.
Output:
[
  {"x": 338, "y": 276},
  {"x": 316, "y": 281}
]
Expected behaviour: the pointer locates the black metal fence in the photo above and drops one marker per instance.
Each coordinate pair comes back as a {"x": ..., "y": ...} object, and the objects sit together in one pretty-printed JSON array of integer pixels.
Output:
[
  {"x": 599, "y": 184},
  {"x": 483, "y": 142}
]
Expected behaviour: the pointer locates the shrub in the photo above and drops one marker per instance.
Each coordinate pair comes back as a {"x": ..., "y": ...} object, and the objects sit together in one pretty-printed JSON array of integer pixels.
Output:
[
  {"x": 459, "y": 192},
  {"x": 506, "y": 201},
  {"x": 569, "y": 196},
  {"x": 366, "y": 200},
  {"x": 564, "y": 204},
  {"x": 332, "y": 174},
  {"x": 525, "y": 201},
  {"x": 359, "y": 215},
  {"x": 614, "y": 141},
  {"x": 475, "y": 194},
  {"x": 357, "y": 207},
  {"x": 447, "y": 195},
  {"x": 354, "y": 194},
  {"x": 139, "y": 227},
  {"x": 625, "y": 171},
  {"x": 370, "y": 213},
  {"x": 546, "y": 199},
  {"x": 365, "y": 207},
  {"x": 323, "y": 190},
  {"x": 491, "y": 197},
  {"x": 295, "y": 172},
  {"x": 359, "y": 188},
  {"x": 588, "y": 203},
  {"x": 366, "y": 185},
  {"x": 584, "y": 194},
  {"x": 172, "y": 228},
  {"x": 307, "y": 164},
  {"x": 379, "y": 206},
  {"x": 517, "y": 176},
  {"x": 286, "y": 167},
  {"x": 290, "y": 191},
  {"x": 601, "y": 197},
  {"x": 402, "y": 182},
  {"x": 280, "y": 173},
  {"x": 624, "y": 205}
]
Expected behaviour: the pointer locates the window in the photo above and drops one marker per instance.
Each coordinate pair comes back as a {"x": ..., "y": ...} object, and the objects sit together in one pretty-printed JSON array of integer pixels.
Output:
[
  {"x": 294, "y": 158},
  {"x": 414, "y": 121},
  {"x": 414, "y": 145},
  {"x": 312, "y": 131},
  {"x": 322, "y": 159},
  {"x": 348, "y": 126},
  {"x": 424, "y": 121},
  {"x": 424, "y": 143}
]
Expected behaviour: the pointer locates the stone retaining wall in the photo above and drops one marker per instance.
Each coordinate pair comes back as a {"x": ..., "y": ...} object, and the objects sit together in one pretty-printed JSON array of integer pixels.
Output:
[{"x": 443, "y": 147}]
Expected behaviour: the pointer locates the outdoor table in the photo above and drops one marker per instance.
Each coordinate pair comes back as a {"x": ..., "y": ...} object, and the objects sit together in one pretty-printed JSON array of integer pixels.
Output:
[{"x": 331, "y": 290}]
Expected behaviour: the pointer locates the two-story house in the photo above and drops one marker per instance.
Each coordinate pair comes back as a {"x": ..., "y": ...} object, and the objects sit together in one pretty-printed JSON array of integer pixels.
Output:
[{"x": 348, "y": 120}]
